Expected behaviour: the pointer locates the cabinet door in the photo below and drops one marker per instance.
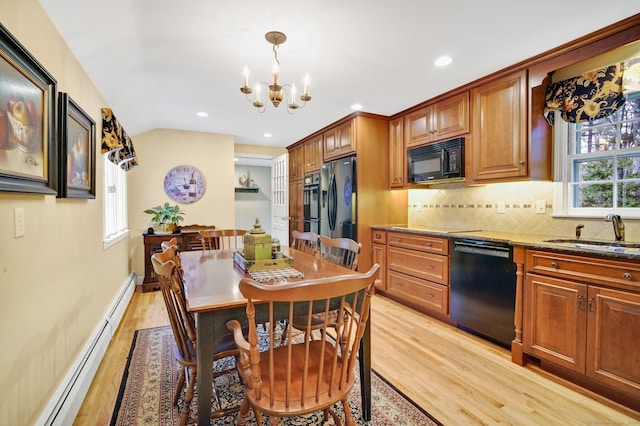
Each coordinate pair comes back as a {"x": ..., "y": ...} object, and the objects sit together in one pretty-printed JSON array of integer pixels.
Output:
[
  {"x": 313, "y": 154},
  {"x": 379, "y": 257},
  {"x": 296, "y": 207},
  {"x": 418, "y": 127},
  {"x": 397, "y": 154},
  {"x": 452, "y": 116},
  {"x": 612, "y": 340},
  {"x": 499, "y": 127},
  {"x": 340, "y": 141},
  {"x": 555, "y": 320},
  {"x": 296, "y": 162}
]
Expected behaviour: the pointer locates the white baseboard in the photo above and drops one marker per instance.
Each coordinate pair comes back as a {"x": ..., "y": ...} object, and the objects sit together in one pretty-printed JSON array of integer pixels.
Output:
[{"x": 66, "y": 401}]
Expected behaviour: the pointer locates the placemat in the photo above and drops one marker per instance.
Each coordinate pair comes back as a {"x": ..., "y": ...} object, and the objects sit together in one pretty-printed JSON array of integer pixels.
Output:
[{"x": 283, "y": 274}]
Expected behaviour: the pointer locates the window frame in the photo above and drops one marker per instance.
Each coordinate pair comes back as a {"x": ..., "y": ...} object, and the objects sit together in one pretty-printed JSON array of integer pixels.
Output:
[
  {"x": 563, "y": 160},
  {"x": 115, "y": 214}
]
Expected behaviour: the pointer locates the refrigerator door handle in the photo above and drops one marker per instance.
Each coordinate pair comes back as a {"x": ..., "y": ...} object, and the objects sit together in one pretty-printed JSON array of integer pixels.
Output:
[{"x": 332, "y": 203}]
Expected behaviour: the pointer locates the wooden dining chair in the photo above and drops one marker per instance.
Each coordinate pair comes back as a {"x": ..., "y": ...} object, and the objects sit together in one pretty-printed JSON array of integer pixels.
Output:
[
  {"x": 173, "y": 242},
  {"x": 305, "y": 241},
  {"x": 308, "y": 376},
  {"x": 210, "y": 238},
  {"x": 184, "y": 332},
  {"x": 341, "y": 251},
  {"x": 232, "y": 239}
]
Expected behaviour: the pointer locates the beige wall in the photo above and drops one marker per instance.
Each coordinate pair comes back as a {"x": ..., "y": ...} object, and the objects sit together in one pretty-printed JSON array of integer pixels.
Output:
[
  {"x": 158, "y": 152},
  {"x": 57, "y": 281}
]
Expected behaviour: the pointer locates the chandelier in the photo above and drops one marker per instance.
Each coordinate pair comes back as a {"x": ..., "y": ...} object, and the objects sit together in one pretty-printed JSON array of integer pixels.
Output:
[{"x": 275, "y": 90}]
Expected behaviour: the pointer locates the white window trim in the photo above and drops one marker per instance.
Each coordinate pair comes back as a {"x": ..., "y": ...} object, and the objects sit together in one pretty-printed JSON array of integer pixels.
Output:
[
  {"x": 118, "y": 230},
  {"x": 562, "y": 206}
]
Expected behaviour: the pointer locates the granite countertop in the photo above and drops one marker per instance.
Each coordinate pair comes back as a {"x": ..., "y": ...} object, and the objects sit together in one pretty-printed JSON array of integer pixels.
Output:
[{"x": 535, "y": 241}]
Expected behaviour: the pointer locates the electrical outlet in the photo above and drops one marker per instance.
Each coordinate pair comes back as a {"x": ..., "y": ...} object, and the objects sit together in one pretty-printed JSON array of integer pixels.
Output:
[
  {"x": 501, "y": 207},
  {"x": 18, "y": 222},
  {"x": 541, "y": 207},
  {"x": 419, "y": 206}
]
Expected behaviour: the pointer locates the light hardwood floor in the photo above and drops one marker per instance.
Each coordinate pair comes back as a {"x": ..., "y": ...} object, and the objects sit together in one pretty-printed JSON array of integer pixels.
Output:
[{"x": 458, "y": 378}]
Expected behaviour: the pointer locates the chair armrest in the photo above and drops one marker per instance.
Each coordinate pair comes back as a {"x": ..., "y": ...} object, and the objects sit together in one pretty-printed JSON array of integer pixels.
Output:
[{"x": 238, "y": 335}]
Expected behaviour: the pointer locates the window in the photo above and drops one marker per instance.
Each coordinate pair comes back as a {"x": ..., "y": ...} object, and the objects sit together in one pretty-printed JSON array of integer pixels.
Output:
[
  {"x": 598, "y": 164},
  {"x": 116, "y": 223}
]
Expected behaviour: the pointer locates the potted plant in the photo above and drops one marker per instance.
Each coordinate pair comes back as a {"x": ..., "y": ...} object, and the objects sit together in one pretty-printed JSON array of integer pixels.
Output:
[{"x": 165, "y": 218}]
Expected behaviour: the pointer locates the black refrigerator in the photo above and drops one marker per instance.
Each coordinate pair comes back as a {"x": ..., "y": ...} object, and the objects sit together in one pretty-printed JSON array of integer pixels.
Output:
[{"x": 338, "y": 200}]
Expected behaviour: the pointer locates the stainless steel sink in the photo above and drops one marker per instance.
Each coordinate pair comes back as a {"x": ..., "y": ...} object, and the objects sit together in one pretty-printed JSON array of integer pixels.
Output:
[
  {"x": 599, "y": 245},
  {"x": 594, "y": 242}
]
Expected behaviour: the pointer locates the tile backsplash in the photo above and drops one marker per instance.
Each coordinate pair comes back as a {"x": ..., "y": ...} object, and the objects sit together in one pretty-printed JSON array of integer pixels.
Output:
[{"x": 476, "y": 207}]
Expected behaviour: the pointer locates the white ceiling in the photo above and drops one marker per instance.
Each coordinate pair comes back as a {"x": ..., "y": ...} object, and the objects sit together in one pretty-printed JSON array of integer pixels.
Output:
[{"x": 158, "y": 62}]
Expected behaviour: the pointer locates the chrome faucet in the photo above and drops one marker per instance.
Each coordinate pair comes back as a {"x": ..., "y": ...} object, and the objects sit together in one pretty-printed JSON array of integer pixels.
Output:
[{"x": 618, "y": 225}]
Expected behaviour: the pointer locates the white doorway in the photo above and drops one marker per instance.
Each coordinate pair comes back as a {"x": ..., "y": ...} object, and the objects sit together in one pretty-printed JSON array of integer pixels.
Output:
[{"x": 280, "y": 199}]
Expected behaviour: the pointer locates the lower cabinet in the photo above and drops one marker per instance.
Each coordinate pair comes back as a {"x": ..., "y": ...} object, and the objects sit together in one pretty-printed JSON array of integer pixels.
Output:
[
  {"x": 379, "y": 256},
  {"x": 418, "y": 271},
  {"x": 583, "y": 314}
]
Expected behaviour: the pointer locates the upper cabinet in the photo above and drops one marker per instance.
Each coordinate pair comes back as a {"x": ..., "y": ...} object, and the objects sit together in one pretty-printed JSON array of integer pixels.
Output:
[
  {"x": 340, "y": 140},
  {"x": 396, "y": 153},
  {"x": 296, "y": 162},
  {"x": 443, "y": 120},
  {"x": 498, "y": 147},
  {"x": 313, "y": 154}
]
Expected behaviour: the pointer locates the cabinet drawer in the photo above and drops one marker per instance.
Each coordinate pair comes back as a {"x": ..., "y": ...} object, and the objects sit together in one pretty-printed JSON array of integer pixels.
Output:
[
  {"x": 419, "y": 292},
  {"x": 588, "y": 269},
  {"x": 418, "y": 264},
  {"x": 419, "y": 242},
  {"x": 378, "y": 236}
]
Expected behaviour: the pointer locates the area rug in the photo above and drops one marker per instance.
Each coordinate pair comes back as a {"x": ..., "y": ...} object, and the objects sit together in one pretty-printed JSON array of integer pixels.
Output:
[{"x": 149, "y": 380}]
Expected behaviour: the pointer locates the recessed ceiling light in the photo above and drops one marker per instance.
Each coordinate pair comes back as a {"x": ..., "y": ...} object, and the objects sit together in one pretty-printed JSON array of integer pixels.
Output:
[
  {"x": 202, "y": 114},
  {"x": 443, "y": 61},
  {"x": 356, "y": 107},
  {"x": 267, "y": 135}
]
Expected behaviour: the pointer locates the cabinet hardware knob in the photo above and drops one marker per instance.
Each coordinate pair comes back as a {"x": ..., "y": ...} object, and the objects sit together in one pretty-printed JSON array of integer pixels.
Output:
[
  {"x": 591, "y": 304},
  {"x": 522, "y": 162},
  {"x": 554, "y": 264},
  {"x": 580, "y": 297},
  {"x": 428, "y": 244},
  {"x": 626, "y": 275}
]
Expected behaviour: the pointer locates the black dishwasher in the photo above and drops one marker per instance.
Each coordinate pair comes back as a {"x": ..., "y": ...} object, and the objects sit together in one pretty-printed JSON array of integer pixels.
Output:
[{"x": 483, "y": 289}]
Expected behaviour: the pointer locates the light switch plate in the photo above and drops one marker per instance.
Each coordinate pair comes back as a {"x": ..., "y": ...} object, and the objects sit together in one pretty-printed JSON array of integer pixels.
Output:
[
  {"x": 541, "y": 207},
  {"x": 419, "y": 206},
  {"x": 18, "y": 221},
  {"x": 501, "y": 207}
]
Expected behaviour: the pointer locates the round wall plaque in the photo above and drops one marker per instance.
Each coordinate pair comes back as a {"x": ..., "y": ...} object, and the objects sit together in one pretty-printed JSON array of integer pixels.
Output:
[{"x": 184, "y": 184}]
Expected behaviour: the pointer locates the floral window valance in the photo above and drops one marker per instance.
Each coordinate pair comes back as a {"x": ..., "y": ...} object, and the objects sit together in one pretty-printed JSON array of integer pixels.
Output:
[
  {"x": 116, "y": 143},
  {"x": 594, "y": 94}
]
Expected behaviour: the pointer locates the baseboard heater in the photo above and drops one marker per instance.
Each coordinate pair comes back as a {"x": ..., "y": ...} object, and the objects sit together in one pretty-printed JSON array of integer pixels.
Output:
[{"x": 66, "y": 401}]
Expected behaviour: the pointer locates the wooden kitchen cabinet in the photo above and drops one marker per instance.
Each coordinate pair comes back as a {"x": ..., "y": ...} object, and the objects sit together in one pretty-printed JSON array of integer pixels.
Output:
[
  {"x": 583, "y": 314},
  {"x": 340, "y": 141},
  {"x": 397, "y": 154},
  {"x": 296, "y": 162},
  {"x": 379, "y": 255},
  {"x": 313, "y": 154},
  {"x": 296, "y": 206},
  {"x": 445, "y": 119},
  {"x": 499, "y": 146},
  {"x": 418, "y": 271}
]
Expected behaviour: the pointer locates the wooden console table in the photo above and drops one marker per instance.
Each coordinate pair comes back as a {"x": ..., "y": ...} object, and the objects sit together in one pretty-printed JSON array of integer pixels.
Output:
[{"x": 188, "y": 240}]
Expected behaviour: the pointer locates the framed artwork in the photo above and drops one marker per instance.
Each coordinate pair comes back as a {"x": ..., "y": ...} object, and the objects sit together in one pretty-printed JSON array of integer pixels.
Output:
[
  {"x": 28, "y": 160},
  {"x": 76, "y": 150}
]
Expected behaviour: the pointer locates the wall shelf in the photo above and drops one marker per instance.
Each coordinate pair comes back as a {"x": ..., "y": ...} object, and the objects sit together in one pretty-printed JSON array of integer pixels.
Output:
[{"x": 247, "y": 190}]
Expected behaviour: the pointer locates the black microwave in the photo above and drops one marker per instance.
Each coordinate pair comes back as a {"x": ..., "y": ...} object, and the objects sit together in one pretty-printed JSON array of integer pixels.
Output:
[{"x": 438, "y": 162}]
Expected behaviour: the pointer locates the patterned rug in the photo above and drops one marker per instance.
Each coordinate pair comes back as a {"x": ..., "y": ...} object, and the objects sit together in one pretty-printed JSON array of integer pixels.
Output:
[{"x": 148, "y": 383}]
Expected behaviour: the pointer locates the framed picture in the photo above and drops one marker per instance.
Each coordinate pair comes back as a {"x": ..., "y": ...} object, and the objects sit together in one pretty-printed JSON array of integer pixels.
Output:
[
  {"x": 28, "y": 160},
  {"x": 76, "y": 150}
]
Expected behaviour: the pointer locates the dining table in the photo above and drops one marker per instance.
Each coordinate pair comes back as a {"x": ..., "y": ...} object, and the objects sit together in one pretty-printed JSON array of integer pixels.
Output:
[{"x": 211, "y": 279}]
